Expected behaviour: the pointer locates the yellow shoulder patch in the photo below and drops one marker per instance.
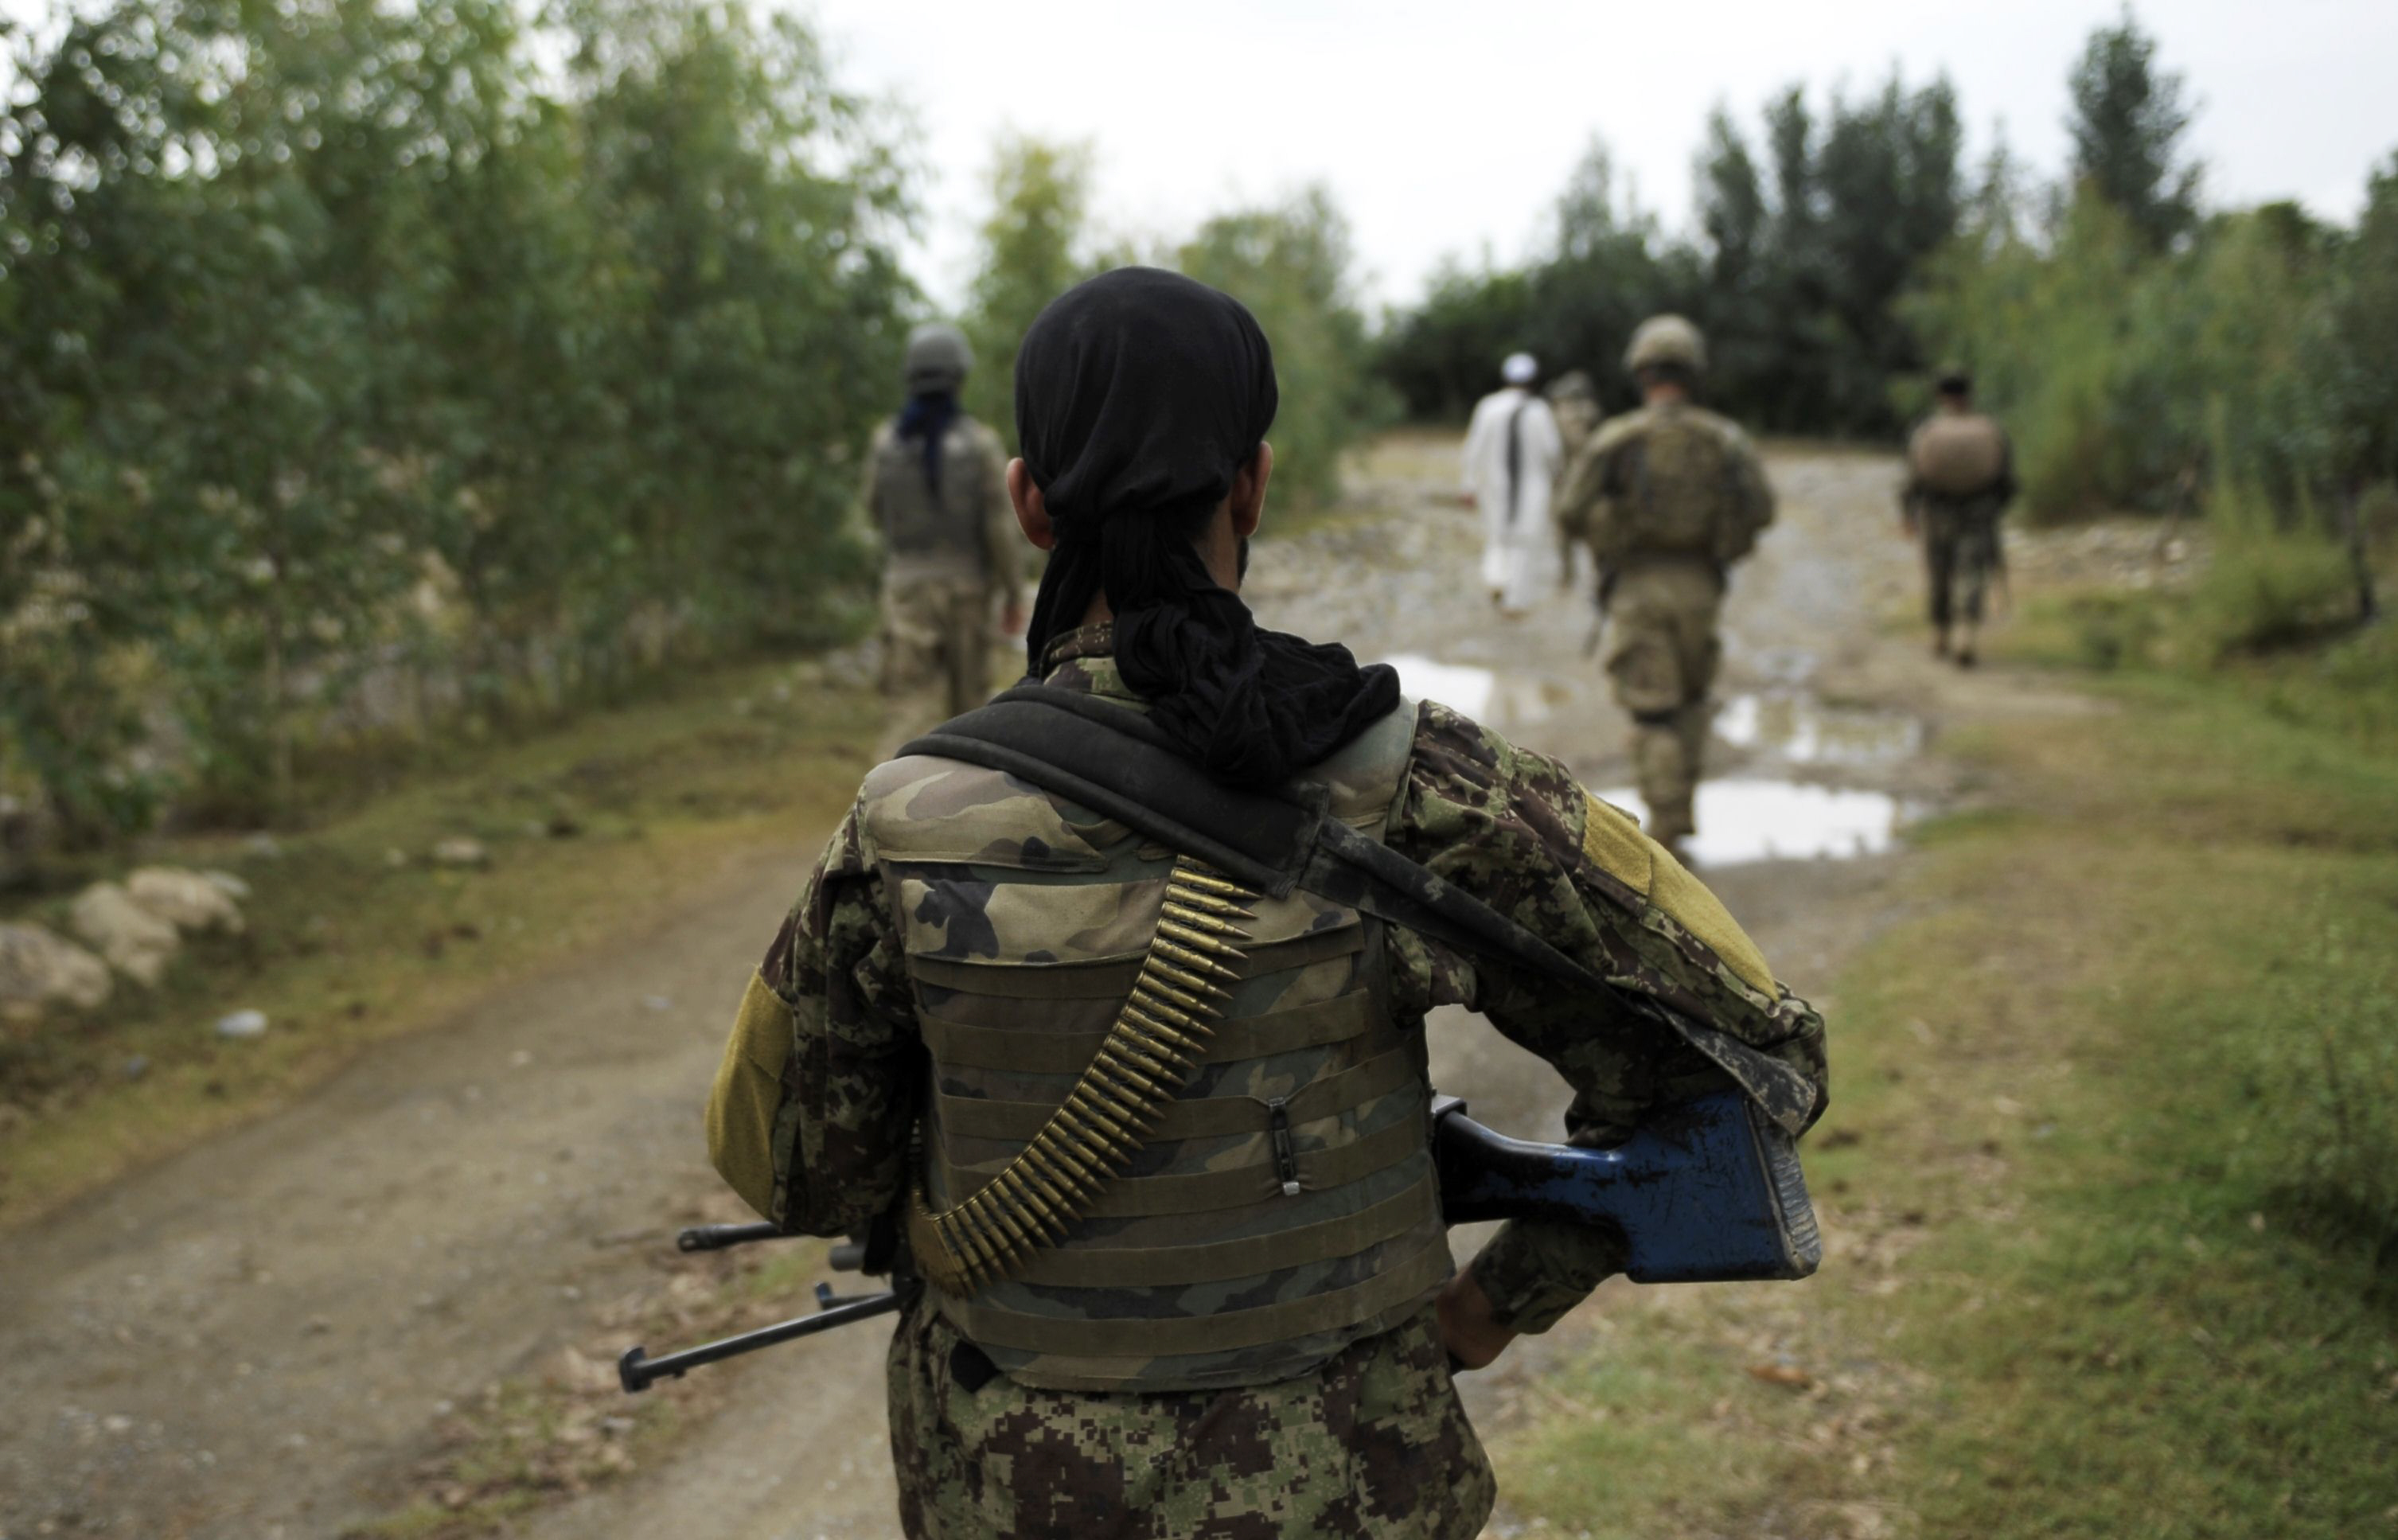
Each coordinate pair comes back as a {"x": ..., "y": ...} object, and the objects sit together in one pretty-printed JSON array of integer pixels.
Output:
[
  {"x": 1612, "y": 840},
  {"x": 748, "y": 1094},
  {"x": 1699, "y": 911}
]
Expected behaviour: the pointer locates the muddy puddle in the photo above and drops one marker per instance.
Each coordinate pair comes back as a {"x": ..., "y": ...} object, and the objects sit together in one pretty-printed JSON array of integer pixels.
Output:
[
  {"x": 1752, "y": 814},
  {"x": 1504, "y": 700},
  {"x": 1745, "y": 818},
  {"x": 1796, "y": 727}
]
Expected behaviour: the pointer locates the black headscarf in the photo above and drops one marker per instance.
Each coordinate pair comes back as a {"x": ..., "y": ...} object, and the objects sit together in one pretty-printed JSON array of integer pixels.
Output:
[{"x": 1138, "y": 396}]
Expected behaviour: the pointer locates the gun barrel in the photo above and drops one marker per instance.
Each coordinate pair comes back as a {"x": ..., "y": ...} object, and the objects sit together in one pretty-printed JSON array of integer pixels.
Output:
[
  {"x": 636, "y": 1371},
  {"x": 715, "y": 1237}
]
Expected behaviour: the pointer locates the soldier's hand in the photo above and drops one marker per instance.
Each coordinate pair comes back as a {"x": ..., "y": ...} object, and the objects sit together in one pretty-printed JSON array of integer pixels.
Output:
[{"x": 1472, "y": 1338}]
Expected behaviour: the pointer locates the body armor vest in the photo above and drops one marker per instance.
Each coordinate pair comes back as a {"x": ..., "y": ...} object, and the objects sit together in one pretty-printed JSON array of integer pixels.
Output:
[
  {"x": 918, "y": 521},
  {"x": 1958, "y": 454},
  {"x": 1673, "y": 475},
  {"x": 1282, "y": 1206}
]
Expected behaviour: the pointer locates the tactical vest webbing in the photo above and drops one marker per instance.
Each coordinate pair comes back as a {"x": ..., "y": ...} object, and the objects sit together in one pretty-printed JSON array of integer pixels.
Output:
[
  {"x": 1679, "y": 487},
  {"x": 1274, "y": 1198},
  {"x": 918, "y": 521}
]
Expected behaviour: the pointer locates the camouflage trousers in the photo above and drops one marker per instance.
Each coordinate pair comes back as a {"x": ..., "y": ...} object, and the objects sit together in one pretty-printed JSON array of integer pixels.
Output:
[
  {"x": 1373, "y": 1444},
  {"x": 1960, "y": 552},
  {"x": 936, "y": 630},
  {"x": 1661, "y": 654}
]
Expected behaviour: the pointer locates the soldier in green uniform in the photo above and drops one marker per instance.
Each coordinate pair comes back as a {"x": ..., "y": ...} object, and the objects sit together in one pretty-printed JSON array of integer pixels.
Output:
[
  {"x": 1573, "y": 400},
  {"x": 1668, "y": 497},
  {"x": 1243, "y": 1318},
  {"x": 935, "y": 490},
  {"x": 1960, "y": 479}
]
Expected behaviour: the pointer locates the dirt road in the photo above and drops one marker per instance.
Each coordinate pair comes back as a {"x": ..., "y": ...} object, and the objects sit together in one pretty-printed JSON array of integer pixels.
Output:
[{"x": 262, "y": 1338}]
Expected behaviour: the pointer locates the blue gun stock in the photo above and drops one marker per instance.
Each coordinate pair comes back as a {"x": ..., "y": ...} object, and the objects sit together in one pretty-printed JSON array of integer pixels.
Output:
[{"x": 1708, "y": 1191}]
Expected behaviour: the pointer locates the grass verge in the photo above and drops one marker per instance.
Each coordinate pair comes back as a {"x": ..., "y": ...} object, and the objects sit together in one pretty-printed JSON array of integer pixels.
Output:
[
  {"x": 353, "y": 936},
  {"x": 2108, "y": 1173}
]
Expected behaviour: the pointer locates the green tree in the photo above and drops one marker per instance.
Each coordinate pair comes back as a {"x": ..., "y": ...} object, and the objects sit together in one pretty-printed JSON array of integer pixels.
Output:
[
  {"x": 340, "y": 340},
  {"x": 1035, "y": 245},
  {"x": 1291, "y": 264},
  {"x": 2127, "y": 122}
]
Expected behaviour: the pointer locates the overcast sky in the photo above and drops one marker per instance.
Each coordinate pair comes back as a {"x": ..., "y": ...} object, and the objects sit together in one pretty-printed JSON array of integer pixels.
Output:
[{"x": 1448, "y": 130}]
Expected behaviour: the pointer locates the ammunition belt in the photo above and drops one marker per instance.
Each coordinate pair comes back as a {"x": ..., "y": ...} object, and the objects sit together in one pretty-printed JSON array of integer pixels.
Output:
[{"x": 1155, "y": 1046}]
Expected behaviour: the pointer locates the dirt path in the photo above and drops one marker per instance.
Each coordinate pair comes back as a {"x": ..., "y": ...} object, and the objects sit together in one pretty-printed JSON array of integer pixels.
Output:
[{"x": 261, "y": 1338}]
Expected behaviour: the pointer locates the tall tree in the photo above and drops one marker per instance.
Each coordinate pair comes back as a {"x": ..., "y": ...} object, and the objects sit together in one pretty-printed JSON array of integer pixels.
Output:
[
  {"x": 2127, "y": 122},
  {"x": 1731, "y": 202},
  {"x": 1035, "y": 245},
  {"x": 1291, "y": 264}
]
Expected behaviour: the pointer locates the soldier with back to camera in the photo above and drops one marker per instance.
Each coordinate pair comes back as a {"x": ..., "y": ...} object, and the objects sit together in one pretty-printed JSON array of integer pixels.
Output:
[
  {"x": 1163, "y": 1138},
  {"x": 1668, "y": 497},
  {"x": 1960, "y": 479},
  {"x": 1573, "y": 400},
  {"x": 936, "y": 492}
]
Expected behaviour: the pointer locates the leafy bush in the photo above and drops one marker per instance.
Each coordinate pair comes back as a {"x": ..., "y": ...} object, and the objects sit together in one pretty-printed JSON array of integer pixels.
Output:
[
  {"x": 353, "y": 352},
  {"x": 2264, "y": 592}
]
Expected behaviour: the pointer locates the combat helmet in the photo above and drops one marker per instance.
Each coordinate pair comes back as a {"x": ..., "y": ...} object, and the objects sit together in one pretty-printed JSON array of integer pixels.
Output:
[
  {"x": 1572, "y": 386},
  {"x": 937, "y": 358},
  {"x": 1667, "y": 342}
]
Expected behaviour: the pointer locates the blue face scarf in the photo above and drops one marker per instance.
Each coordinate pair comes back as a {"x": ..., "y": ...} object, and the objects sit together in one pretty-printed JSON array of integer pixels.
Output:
[{"x": 929, "y": 417}]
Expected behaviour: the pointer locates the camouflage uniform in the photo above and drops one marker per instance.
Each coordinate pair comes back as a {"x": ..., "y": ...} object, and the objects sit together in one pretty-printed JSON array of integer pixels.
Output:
[
  {"x": 1961, "y": 478},
  {"x": 947, "y": 553},
  {"x": 1668, "y": 497},
  {"x": 1573, "y": 400},
  {"x": 819, "y": 1100}
]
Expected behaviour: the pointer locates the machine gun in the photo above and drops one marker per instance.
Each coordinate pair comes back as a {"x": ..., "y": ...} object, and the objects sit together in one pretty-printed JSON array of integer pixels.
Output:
[{"x": 1706, "y": 1191}]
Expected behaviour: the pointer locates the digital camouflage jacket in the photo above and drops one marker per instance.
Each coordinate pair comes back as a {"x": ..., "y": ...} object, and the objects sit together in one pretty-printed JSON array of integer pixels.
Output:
[{"x": 816, "y": 1105}]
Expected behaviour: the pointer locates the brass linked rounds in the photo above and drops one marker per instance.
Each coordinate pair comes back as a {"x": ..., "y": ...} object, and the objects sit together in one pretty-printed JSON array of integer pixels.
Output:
[{"x": 1157, "y": 1044}]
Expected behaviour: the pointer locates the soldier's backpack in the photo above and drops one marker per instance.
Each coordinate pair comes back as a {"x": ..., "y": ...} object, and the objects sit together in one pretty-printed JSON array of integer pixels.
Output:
[
  {"x": 1679, "y": 482},
  {"x": 1958, "y": 454}
]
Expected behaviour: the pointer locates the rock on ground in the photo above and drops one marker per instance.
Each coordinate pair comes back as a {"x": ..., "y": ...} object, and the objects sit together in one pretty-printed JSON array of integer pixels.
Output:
[
  {"x": 188, "y": 901},
  {"x": 136, "y": 942},
  {"x": 39, "y": 969},
  {"x": 461, "y": 851}
]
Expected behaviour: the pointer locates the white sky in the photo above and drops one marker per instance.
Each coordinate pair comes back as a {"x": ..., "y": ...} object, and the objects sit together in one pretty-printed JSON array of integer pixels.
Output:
[{"x": 1449, "y": 128}]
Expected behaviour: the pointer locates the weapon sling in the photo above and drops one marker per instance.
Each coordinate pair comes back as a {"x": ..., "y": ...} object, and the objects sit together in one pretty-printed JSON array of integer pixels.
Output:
[{"x": 1122, "y": 768}]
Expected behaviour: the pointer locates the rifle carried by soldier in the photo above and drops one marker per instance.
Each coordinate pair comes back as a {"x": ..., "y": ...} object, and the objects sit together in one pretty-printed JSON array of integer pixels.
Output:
[{"x": 1706, "y": 1192}]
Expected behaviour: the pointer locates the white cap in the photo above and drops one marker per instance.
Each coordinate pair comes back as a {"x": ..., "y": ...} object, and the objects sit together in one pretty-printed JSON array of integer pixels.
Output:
[{"x": 1519, "y": 369}]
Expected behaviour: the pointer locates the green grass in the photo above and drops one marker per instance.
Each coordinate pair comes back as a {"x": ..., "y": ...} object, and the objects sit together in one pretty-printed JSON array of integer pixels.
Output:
[
  {"x": 2109, "y": 1173},
  {"x": 345, "y": 947}
]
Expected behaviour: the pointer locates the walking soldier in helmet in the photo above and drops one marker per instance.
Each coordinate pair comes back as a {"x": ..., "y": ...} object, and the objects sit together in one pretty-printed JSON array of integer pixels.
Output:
[
  {"x": 936, "y": 488},
  {"x": 1960, "y": 479},
  {"x": 1668, "y": 497}
]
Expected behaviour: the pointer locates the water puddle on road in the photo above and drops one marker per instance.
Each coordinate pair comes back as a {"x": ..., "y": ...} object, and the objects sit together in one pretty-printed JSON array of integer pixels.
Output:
[
  {"x": 1742, "y": 820},
  {"x": 1803, "y": 730},
  {"x": 1505, "y": 701}
]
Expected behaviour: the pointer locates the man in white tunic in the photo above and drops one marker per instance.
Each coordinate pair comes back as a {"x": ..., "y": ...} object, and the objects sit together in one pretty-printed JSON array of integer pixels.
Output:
[{"x": 1513, "y": 455}]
